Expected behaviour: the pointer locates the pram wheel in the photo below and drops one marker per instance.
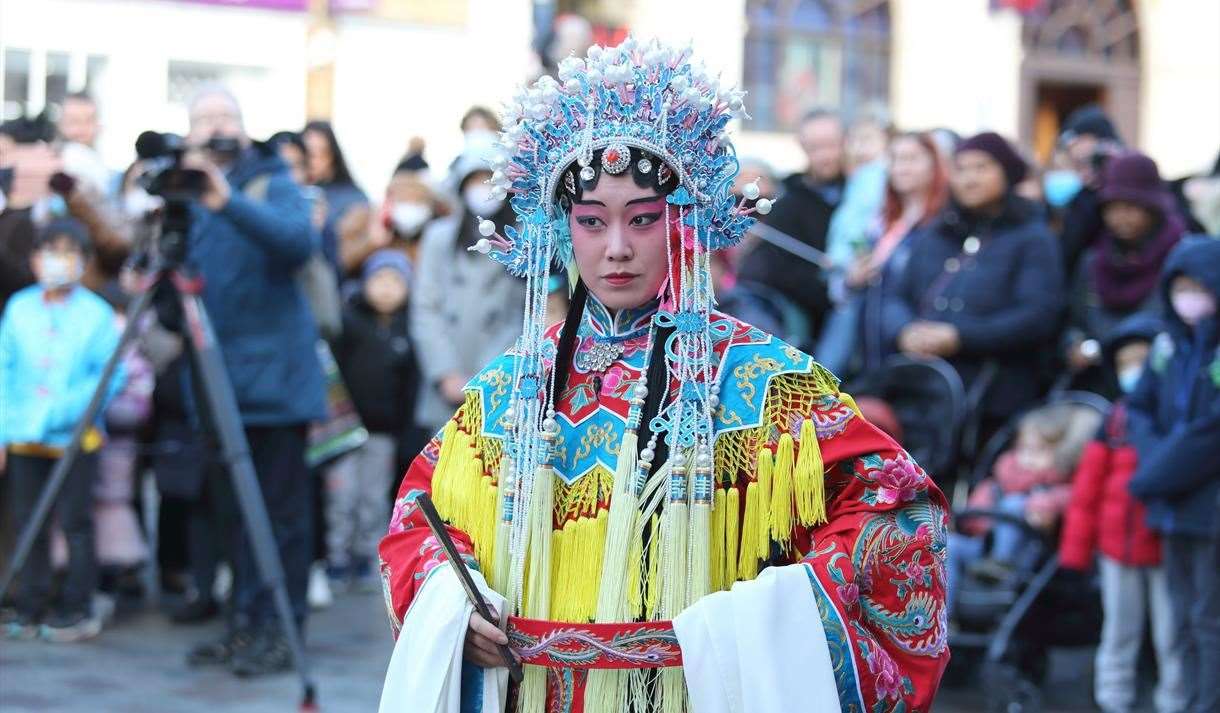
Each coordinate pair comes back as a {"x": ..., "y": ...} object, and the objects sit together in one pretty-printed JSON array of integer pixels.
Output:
[{"x": 1009, "y": 690}]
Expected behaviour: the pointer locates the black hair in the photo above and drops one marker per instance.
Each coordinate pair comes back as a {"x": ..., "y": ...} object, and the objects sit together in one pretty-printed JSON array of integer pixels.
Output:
[
  {"x": 64, "y": 228},
  {"x": 338, "y": 163},
  {"x": 30, "y": 129},
  {"x": 659, "y": 177},
  {"x": 571, "y": 188},
  {"x": 656, "y": 373},
  {"x": 280, "y": 138}
]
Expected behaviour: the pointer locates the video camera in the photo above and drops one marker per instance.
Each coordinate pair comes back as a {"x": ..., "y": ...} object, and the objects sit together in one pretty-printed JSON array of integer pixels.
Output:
[{"x": 164, "y": 175}]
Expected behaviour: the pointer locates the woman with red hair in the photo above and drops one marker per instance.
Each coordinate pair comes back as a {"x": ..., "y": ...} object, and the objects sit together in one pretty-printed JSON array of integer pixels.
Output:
[{"x": 915, "y": 192}]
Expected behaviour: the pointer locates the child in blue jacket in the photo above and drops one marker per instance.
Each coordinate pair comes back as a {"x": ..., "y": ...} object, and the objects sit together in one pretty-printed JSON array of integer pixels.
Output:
[
  {"x": 1174, "y": 423},
  {"x": 55, "y": 338}
]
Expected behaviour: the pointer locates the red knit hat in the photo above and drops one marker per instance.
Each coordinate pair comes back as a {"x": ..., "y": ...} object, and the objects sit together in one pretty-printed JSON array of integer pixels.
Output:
[{"x": 1134, "y": 178}]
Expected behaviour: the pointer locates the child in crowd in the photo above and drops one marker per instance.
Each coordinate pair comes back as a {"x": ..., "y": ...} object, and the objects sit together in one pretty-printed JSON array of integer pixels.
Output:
[
  {"x": 1174, "y": 423},
  {"x": 120, "y": 541},
  {"x": 1031, "y": 481},
  {"x": 55, "y": 338},
  {"x": 1103, "y": 518},
  {"x": 377, "y": 360}
]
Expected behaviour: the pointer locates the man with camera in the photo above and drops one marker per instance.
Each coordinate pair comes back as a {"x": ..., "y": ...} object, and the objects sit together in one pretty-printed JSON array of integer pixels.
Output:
[{"x": 249, "y": 236}]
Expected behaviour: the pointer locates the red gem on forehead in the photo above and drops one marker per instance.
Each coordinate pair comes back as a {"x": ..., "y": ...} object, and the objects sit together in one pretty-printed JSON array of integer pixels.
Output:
[{"x": 612, "y": 155}]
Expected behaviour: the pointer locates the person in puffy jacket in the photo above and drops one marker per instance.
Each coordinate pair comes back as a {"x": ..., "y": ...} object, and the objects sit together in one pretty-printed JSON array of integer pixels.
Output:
[
  {"x": 1103, "y": 519},
  {"x": 1175, "y": 426}
]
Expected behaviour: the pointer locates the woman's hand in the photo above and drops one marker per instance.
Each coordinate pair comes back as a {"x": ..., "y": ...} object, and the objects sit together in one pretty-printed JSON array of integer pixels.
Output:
[
  {"x": 930, "y": 339},
  {"x": 481, "y": 641},
  {"x": 861, "y": 273}
]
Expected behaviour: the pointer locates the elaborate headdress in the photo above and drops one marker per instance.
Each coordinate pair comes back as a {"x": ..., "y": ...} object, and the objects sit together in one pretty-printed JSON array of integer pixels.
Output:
[{"x": 641, "y": 108}]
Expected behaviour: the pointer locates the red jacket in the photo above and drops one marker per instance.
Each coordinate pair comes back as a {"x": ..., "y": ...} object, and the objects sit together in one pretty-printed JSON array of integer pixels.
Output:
[{"x": 1102, "y": 515}]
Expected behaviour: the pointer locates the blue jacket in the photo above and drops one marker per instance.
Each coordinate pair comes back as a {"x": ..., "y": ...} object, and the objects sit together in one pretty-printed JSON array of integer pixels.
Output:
[
  {"x": 1006, "y": 299},
  {"x": 248, "y": 255},
  {"x": 51, "y": 359},
  {"x": 1174, "y": 412}
]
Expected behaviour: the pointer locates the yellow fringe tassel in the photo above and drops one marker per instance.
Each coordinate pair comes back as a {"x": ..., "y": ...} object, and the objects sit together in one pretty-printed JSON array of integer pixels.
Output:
[
  {"x": 699, "y": 552},
  {"x": 624, "y": 508},
  {"x": 732, "y": 515},
  {"x": 762, "y": 540},
  {"x": 674, "y": 530},
  {"x": 531, "y": 697},
  {"x": 499, "y": 569},
  {"x": 810, "y": 496},
  {"x": 538, "y": 593},
  {"x": 537, "y": 599},
  {"x": 635, "y": 592},
  {"x": 606, "y": 689},
  {"x": 751, "y": 527},
  {"x": 562, "y": 578},
  {"x": 781, "y": 491},
  {"x": 716, "y": 534},
  {"x": 654, "y": 556}
]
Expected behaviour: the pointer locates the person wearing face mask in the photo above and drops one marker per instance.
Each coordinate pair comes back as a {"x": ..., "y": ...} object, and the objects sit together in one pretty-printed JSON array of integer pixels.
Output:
[
  {"x": 465, "y": 311},
  {"x": 1175, "y": 426},
  {"x": 55, "y": 339},
  {"x": 410, "y": 206},
  {"x": 39, "y": 186},
  {"x": 1105, "y": 521},
  {"x": 1118, "y": 275}
]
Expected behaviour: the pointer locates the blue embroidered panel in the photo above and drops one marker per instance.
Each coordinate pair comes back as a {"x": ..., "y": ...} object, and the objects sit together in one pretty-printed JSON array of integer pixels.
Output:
[
  {"x": 592, "y": 423},
  {"x": 839, "y": 643}
]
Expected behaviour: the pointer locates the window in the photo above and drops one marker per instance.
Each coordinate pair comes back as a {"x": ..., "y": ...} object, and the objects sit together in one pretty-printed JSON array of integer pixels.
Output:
[
  {"x": 16, "y": 83},
  {"x": 801, "y": 54},
  {"x": 59, "y": 65},
  {"x": 186, "y": 78}
]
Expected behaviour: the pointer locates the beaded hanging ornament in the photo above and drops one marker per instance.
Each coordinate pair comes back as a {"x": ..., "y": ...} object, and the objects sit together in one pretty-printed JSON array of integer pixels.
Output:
[{"x": 641, "y": 102}]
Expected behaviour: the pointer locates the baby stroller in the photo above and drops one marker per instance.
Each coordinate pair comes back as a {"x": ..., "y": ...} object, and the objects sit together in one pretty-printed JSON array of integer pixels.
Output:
[
  {"x": 929, "y": 402},
  {"x": 1016, "y": 620}
]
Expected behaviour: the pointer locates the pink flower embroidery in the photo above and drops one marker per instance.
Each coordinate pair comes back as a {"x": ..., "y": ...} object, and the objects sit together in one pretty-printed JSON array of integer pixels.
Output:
[
  {"x": 849, "y": 594},
  {"x": 888, "y": 681},
  {"x": 612, "y": 381},
  {"x": 898, "y": 481},
  {"x": 914, "y": 570}
]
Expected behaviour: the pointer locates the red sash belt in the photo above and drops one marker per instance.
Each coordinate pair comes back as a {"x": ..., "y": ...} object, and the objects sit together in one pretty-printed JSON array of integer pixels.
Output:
[{"x": 561, "y": 644}]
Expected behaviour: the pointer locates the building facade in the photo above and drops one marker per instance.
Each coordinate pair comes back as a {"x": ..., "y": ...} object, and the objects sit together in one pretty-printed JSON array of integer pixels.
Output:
[{"x": 386, "y": 70}]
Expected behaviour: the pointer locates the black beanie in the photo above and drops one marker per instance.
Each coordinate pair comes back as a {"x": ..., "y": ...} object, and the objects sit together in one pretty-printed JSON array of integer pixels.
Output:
[{"x": 1002, "y": 152}]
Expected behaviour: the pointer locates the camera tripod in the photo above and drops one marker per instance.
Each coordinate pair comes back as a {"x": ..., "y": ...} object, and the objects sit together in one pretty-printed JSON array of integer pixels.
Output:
[{"x": 218, "y": 410}]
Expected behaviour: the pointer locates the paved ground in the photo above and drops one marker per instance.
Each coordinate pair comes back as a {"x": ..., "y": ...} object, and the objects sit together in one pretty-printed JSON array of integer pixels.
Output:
[{"x": 137, "y": 666}]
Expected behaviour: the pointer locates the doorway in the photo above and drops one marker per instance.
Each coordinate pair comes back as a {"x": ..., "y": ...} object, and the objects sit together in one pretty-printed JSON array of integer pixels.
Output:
[{"x": 1053, "y": 103}]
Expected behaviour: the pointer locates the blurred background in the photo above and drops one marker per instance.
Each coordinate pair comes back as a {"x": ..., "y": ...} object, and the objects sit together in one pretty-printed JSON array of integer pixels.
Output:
[{"x": 386, "y": 70}]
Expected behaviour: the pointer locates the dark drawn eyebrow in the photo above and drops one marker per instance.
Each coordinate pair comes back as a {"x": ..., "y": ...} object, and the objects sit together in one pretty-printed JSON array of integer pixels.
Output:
[
  {"x": 646, "y": 199},
  {"x": 590, "y": 202}
]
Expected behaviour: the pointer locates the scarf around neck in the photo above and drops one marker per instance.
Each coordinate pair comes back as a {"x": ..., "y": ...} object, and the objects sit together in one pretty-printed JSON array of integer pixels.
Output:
[{"x": 1124, "y": 278}]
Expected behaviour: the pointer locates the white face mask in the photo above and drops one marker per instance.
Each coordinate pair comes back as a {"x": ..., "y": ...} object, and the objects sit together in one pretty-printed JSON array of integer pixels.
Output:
[
  {"x": 408, "y": 217},
  {"x": 138, "y": 203},
  {"x": 479, "y": 201},
  {"x": 1129, "y": 377},
  {"x": 56, "y": 271},
  {"x": 1193, "y": 306}
]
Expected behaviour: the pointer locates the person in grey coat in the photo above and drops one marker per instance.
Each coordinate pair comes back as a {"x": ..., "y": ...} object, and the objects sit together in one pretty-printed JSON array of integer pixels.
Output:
[{"x": 467, "y": 309}]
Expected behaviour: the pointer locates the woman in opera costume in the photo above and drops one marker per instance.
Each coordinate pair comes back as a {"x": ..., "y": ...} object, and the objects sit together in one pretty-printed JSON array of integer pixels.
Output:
[{"x": 669, "y": 509}]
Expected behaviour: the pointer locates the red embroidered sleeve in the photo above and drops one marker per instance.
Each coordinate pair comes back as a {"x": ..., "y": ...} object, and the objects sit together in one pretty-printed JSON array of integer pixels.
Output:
[
  {"x": 409, "y": 552},
  {"x": 878, "y": 575}
]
